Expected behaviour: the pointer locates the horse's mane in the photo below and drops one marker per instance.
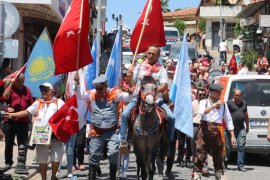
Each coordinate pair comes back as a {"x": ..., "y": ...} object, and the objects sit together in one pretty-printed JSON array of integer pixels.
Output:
[{"x": 148, "y": 79}]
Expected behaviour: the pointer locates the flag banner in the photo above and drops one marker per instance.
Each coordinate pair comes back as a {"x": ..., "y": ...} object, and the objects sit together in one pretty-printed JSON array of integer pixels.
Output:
[
  {"x": 82, "y": 105},
  {"x": 40, "y": 65},
  {"x": 154, "y": 29},
  {"x": 180, "y": 93},
  {"x": 16, "y": 73},
  {"x": 91, "y": 69},
  {"x": 113, "y": 70},
  {"x": 73, "y": 33},
  {"x": 64, "y": 122}
]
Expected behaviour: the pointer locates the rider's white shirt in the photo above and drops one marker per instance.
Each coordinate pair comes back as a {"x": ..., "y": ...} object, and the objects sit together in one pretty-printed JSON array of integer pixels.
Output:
[{"x": 161, "y": 77}]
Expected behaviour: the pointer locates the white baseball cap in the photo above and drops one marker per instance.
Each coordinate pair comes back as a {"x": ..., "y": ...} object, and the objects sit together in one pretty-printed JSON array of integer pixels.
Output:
[{"x": 46, "y": 85}]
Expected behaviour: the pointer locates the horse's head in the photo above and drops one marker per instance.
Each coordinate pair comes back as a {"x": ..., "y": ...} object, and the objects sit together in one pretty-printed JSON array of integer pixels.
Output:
[{"x": 148, "y": 94}]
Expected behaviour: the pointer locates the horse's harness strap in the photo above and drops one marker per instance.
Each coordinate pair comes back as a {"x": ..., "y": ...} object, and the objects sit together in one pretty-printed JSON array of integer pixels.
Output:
[{"x": 145, "y": 133}]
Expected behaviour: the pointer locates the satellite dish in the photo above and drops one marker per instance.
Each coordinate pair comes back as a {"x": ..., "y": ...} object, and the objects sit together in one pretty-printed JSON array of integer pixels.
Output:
[
  {"x": 12, "y": 19},
  {"x": 213, "y": 74},
  {"x": 233, "y": 1}
]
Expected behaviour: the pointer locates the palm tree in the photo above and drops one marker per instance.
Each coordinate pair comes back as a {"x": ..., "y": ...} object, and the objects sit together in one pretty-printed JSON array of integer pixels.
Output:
[{"x": 165, "y": 6}]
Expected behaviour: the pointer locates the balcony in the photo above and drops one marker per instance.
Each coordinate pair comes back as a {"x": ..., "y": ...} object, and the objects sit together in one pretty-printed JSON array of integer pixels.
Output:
[{"x": 213, "y": 12}]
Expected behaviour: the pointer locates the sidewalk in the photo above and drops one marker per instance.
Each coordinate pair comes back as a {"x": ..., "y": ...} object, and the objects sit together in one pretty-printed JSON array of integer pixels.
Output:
[{"x": 30, "y": 163}]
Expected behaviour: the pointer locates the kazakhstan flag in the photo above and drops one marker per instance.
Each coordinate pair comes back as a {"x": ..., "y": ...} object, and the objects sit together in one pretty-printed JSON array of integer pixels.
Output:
[{"x": 40, "y": 65}]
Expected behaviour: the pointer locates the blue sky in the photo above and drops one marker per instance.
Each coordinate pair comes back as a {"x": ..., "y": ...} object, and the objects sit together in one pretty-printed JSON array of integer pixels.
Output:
[{"x": 130, "y": 9}]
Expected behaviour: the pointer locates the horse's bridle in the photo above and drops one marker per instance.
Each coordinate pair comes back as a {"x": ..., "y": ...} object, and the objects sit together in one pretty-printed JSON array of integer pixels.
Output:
[{"x": 143, "y": 99}]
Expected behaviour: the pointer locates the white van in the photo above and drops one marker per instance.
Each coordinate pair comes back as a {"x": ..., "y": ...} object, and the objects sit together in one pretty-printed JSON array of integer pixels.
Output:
[
  {"x": 171, "y": 34},
  {"x": 256, "y": 92}
]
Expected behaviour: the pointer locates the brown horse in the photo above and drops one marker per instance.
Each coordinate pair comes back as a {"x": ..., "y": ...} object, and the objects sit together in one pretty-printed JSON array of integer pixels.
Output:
[{"x": 148, "y": 129}]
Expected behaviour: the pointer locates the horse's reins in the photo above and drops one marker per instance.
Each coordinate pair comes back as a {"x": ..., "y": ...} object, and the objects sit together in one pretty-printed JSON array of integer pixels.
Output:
[
  {"x": 143, "y": 99},
  {"x": 141, "y": 111}
]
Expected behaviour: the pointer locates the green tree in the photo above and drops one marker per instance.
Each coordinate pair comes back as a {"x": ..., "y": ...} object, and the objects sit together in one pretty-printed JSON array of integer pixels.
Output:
[
  {"x": 250, "y": 58},
  {"x": 238, "y": 30},
  {"x": 180, "y": 25},
  {"x": 202, "y": 24},
  {"x": 165, "y": 6}
]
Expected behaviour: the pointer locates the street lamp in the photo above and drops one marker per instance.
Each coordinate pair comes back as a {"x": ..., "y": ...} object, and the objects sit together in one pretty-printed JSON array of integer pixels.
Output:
[{"x": 117, "y": 19}]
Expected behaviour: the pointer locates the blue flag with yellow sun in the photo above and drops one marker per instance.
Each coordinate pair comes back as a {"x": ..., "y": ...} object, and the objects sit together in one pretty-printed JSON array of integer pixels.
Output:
[{"x": 40, "y": 65}]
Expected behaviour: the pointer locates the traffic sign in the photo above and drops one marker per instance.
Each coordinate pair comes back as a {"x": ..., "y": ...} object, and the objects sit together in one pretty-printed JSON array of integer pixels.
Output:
[
  {"x": 12, "y": 19},
  {"x": 11, "y": 48}
]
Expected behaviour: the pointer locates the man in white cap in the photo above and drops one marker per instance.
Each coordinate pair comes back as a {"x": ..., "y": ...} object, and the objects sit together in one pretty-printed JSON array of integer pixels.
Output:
[
  {"x": 43, "y": 109},
  {"x": 104, "y": 122}
]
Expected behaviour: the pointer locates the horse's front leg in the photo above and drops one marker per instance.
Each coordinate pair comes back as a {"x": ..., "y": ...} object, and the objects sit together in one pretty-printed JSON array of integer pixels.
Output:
[
  {"x": 138, "y": 169},
  {"x": 152, "y": 168}
]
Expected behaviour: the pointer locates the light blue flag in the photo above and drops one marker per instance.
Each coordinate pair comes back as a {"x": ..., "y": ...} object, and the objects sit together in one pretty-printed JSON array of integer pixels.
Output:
[
  {"x": 40, "y": 65},
  {"x": 91, "y": 69},
  {"x": 91, "y": 73},
  {"x": 181, "y": 93},
  {"x": 113, "y": 70}
]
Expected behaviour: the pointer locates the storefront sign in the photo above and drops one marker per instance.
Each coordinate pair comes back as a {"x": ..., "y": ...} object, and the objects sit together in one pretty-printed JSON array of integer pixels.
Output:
[{"x": 264, "y": 20}]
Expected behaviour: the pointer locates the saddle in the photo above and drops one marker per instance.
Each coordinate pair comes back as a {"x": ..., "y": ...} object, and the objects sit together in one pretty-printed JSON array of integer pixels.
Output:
[{"x": 160, "y": 112}]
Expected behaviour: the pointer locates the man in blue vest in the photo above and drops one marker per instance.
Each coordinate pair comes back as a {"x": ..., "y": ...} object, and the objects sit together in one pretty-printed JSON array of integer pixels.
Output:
[{"x": 104, "y": 122}]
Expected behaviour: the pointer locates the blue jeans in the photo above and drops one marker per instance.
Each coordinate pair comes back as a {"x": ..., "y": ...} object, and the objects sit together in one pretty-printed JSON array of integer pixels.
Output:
[
  {"x": 70, "y": 151},
  {"x": 126, "y": 117},
  {"x": 223, "y": 57},
  {"x": 240, "y": 135}
]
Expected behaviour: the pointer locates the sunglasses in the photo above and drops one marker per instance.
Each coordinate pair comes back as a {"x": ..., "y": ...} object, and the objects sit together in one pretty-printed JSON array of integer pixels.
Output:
[
  {"x": 44, "y": 89},
  {"x": 201, "y": 94},
  {"x": 237, "y": 95}
]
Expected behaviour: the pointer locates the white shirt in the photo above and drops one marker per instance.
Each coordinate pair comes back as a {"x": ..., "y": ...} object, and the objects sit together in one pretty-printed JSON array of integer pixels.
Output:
[
  {"x": 216, "y": 115},
  {"x": 223, "y": 46},
  {"x": 161, "y": 77},
  {"x": 195, "y": 112},
  {"x": 45, "y": 111}
]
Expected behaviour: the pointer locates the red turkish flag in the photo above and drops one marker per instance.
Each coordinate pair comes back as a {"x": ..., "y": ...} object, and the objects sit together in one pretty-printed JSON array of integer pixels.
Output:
[
  {"x": 233, "y": 65},
  {"x": 70, "y": 35},
  {"x": 64, "y": 122},
  {"x": 154, "y": 30},
  {"x": 16, "y": 73}
]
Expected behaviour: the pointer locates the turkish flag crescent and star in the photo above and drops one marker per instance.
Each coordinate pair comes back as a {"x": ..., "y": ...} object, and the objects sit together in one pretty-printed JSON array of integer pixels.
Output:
[
  {"x": 233, "y": 65},
  {"x": 154, "y": 30},
  {"x": 67, "y": 40},
  {"x": 64, "y": 122}
]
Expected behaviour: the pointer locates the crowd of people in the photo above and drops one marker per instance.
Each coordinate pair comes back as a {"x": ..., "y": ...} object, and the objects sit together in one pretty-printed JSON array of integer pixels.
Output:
[{"x": 218, "y": 125}]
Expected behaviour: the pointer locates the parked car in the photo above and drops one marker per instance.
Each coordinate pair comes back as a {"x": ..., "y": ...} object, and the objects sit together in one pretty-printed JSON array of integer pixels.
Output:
[
  {"x": 171, "y": 34},
  {"x": 175, "y": 52},
  {"x": 256, "y": 92}
]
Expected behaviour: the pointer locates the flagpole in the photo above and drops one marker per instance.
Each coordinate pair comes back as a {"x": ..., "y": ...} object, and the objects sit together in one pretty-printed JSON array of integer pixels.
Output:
[
  {"x": 79, "y": 37},
  {"x": 141, "y": 34}
]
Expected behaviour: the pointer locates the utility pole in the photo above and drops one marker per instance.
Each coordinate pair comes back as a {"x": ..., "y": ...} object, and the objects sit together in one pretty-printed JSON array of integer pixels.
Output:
[
  {"x": 2, "y": 30},
  {"x": 98, "y": 37},
  {"x": 220, "y": 22}
]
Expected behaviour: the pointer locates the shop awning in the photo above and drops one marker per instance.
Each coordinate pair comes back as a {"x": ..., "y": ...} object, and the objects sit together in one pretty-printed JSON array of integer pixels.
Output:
[{"x": 251, "y": 9}]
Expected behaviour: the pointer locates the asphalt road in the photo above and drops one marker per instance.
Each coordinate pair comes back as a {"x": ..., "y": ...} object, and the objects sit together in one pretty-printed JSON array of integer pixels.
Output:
[{"x": 258, "y": 169}]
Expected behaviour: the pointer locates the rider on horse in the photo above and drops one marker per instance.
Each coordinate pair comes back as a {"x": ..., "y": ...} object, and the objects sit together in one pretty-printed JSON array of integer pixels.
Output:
[{"x": 150, "y": 67}]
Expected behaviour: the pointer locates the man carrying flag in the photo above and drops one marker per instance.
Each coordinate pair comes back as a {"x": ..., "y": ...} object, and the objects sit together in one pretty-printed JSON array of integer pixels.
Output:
[
  {"x": 43, "y": 109},
  {"x": 104, "y": 122},
  {"x": 19, "y": 97}
]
